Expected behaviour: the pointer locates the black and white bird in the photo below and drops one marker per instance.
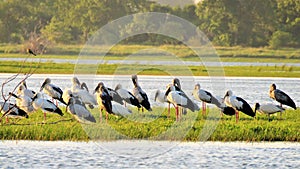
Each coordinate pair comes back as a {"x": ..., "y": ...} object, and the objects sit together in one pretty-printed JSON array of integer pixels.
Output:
[
  {"x": 115, "y": 96},
  {"x": 268, "y": 109},
  {"x": 178, "y": 98},
  {"x": 52, "y": 90},
  {"x": 140, "y": 94},
  {"x": 81, "y": 90},
  {"x": 45, "y": 105},
  {"x": 104, "y": 100},
  {"x": 127, "y": 96},
  {"x": 224, "y": 108},
  {"x": 24, "y": 102},
  {"x": 281, "y": 97},
  {"x": 238, "y": 104},
  {"x": 12, "y": 111},
  {"x": 205, "y": 97},
  {"x": 77, "y": 108}
]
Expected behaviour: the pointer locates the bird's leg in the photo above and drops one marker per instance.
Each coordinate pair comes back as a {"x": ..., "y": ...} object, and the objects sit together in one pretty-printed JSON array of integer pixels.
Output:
[
  {"x": 44, "y": 116},
  {"x": 269, "y": 117},
  {"x": 203, "y": 108},
  {"x": 168, "y": 110},
  {"x": 143, "y": 109},
  {"x": 100, "y": 118},
  {"x": 106, "y": 116},
  {"x": 236, "y": 116},
  {"x": 176, "y": 113},
  {"x": 7, "y": 119},
  {"x": 56, "y": 103}
]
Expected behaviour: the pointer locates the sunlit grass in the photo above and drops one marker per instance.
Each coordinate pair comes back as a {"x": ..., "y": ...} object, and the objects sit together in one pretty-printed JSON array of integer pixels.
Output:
[{"x": 156, "y": 125}]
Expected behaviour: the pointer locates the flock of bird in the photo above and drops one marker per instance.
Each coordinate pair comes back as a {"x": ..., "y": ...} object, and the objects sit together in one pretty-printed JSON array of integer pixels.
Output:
[{"x": 79, "y": 100}]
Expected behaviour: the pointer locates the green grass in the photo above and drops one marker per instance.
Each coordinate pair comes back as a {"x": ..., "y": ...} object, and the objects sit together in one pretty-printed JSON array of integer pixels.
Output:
[
  {"x": 117, "y": 69},
  {"x": 156, "y": 126},
  {"x": 118, "y": 52}
]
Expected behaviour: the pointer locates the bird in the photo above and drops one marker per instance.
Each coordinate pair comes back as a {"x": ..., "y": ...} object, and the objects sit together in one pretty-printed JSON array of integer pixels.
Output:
[
  {"x": 77, "y": 108},
  {"x": 23, "y": 102},
  {"x": 238, "y": 104},
  {"x": 204, "y": 96},
  {"x": 268, "y": 109},
  {"x": 140, "y": 94},
  {"x": 115, "y": 96},
  {"x": 127, "y": 96},
  {"x": 224, "y": 108},
  {"x": 52, "y": 90},
  {"x": 23, "y": 90},
  {"x": 281, "y": 97},
  {"x": 45, "y": 105},
  {"x": 160, "y": 97},
  {"x": 29, "y": 51},
  {"x": 120, "y": 110},
  {"x": 67, "y": 94},
  {"x": 12, "y": 111},
  {"x": 178, "y": 98},
  {"x": 81, "y": 90},
  {"x": 104, "y": 100}
]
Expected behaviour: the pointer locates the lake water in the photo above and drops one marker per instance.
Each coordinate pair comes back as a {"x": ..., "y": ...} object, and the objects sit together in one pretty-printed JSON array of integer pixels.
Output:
[
  {"x": 148, "y": 154},
  {"x": 251, "y": 89}
]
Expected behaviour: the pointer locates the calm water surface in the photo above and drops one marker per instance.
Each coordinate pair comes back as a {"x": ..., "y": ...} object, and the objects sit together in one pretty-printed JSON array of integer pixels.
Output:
[{"x": 148, "y": 154}]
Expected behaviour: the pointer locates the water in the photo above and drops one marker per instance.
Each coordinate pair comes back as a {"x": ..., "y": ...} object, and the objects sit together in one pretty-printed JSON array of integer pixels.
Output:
[
  {"x": 140, "y": 154},
  {"x": 153, "y": 62},
  {"x": 251, "y": 89}
]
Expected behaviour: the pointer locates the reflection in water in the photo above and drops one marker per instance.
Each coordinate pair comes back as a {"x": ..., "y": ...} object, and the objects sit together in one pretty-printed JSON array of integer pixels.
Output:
[{"x": 62, "y": 154}]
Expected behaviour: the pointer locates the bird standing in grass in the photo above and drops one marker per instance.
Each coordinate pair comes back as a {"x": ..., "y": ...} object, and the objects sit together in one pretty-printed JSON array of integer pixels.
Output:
[
  {"x": 127, "y": 96},
  {"x": 281, "y": 97},
  {"x": 204, "y": 96},
  {"x": 12, "y": 111},
  {"x": 29, "y": 51},
  {"x": 77, "y": 108},
  {"x": 104, "y": 100},
  {"x": 46, "y": 105},
  {"x": 52, "y": 90},
  {"x": 268, "y": 109},
  {"x": 140, "y": 94},
  {"x": 238, "y": 104}
]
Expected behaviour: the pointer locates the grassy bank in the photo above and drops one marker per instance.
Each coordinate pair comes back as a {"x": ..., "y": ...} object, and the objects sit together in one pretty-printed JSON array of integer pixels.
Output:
[
  {"x": 109, "y": 69},
  {"x": 239, "y": 54},
  {"x": 156, "y": 126}
]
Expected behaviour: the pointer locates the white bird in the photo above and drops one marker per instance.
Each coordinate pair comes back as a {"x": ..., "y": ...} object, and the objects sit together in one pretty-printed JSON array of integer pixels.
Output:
[
  {"x": 24, "y": 102},
  {"x": 104, "y": 100},
  {"x": 12, "y": 111},
  {"x": 67, "y": 94},
  {"x": 82, "y": 92},
  {"x": 120, "y": 110},
  {"x": 281, "y": 97},
  {"x": 22, "y": 90},
  {"x": 160, "y": 97},
  {"x": 238, "y": 104},
  {"x": 52, "y": 90},
  {"x": 77, "y": 108},
  {"x": 127, "y": 96},
  {"x": 204, "y": 96},
  {"x": 179, "y": 98},
  {"x": 268, "y": 109},
  {"x": 45, "y": 105},
  {"x": 140, "y": 94}
]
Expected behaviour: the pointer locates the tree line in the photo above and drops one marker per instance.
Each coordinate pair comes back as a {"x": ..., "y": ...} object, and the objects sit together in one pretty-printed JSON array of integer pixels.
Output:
[{"x": 254, "y": 23}]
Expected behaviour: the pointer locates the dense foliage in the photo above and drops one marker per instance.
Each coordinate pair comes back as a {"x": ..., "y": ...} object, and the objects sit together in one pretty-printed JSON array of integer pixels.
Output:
[{"x": 225, "y": 22}]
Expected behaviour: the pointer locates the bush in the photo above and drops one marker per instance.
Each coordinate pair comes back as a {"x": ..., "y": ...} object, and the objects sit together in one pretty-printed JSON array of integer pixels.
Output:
[{"x": 280, "y": 39}]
